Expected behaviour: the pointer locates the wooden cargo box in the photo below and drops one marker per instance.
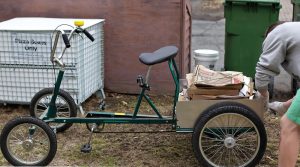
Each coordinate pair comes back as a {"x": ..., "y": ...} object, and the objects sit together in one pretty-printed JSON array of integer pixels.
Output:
[{"x": 188, "y": 112}]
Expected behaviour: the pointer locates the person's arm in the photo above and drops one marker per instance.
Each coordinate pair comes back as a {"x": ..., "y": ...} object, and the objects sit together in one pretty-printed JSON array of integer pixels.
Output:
[{"x": 274, "y": 51}]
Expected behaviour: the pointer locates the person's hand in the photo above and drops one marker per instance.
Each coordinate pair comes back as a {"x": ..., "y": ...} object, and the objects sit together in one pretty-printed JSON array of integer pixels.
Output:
[
  {"x": 264, "y": 97},
  {"x": 278, "y": 108}
]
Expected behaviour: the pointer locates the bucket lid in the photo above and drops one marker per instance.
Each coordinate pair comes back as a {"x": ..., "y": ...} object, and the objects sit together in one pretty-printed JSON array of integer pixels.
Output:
[{"x": 206, "y": 52}]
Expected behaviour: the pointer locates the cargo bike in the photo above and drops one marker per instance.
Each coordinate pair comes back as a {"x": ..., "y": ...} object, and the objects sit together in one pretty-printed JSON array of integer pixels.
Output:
[{"x": 225, "y": 132}]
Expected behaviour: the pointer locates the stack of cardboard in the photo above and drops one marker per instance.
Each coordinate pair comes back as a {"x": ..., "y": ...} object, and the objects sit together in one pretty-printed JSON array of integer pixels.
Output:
[{"x": 207, "y": 84}]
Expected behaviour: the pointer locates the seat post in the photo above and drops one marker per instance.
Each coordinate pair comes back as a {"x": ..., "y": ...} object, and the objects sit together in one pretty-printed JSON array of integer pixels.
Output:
[{"x": 148, "y": 74}]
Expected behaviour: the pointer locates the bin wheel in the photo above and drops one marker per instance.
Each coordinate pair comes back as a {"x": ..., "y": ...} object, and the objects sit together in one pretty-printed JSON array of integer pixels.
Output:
[
  {"x": 65, "y": 105},
  {"x": 229, "y": 134},
  {"x": 28, "y": 141}
]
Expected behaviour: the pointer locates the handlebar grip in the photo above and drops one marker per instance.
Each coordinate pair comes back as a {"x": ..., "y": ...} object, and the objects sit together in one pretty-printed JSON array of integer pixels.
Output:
[
  {"x": 66, "y": 40},
  {"x": 88, "y": 35}
]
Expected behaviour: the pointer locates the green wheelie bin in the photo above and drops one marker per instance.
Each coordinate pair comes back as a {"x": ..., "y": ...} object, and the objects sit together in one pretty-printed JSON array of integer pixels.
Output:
[
  {"x": 245, "y": 26},
  {"x": 296, "y": 10}
]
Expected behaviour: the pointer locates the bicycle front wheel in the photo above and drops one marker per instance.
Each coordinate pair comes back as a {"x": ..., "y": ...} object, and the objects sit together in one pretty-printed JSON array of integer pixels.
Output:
[
  {"x": 28, "y": 141},
  {"x": 64, "y": 103}
]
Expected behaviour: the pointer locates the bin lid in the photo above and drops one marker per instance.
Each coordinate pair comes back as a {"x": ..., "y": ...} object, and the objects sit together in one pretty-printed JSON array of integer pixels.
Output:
[
  {"x": 257, "y": 1},
  {"x": 43, "y": 24}
]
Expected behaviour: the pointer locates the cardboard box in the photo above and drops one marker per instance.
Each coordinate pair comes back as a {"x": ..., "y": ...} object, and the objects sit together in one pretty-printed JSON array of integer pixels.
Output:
[{"x": 207, "y": 84}]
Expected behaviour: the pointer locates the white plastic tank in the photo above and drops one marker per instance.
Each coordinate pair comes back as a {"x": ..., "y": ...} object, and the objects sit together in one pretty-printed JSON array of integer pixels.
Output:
[{"x": 206, "y": 57}]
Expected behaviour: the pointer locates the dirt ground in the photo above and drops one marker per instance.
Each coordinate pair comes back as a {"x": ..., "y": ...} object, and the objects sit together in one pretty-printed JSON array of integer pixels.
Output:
[{"x": 133, "y": 149}]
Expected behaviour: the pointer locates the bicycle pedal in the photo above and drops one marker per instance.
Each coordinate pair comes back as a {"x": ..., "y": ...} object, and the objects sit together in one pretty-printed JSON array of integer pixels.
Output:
[{"x": 86, "y": 148}]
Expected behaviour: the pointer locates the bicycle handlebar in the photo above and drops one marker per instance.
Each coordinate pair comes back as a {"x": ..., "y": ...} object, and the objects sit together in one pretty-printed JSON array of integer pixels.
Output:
[
  {"x": 87, "y": 34},
  {"x": 66, "y": 38}
]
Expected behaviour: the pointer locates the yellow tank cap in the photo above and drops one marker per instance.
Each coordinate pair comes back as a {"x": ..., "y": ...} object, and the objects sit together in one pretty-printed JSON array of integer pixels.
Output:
[{"x": 79, "y": 23}]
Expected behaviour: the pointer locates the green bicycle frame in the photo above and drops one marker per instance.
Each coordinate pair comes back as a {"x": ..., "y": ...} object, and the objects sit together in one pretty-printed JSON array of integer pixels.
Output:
[
  {"x": 108, "y": 117},
  {"x": 175, "y": 75}
]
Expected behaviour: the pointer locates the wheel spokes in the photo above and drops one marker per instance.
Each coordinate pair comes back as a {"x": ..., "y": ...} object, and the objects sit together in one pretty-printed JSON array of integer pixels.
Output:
[
  {"x": 62, "y": 107},
  {"x": 27, "y": 148},
  {"x": 229, "y": 140}
]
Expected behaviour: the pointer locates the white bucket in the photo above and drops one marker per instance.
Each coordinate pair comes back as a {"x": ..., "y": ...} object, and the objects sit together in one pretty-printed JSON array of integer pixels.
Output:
[{"x": 205, "y": 57}]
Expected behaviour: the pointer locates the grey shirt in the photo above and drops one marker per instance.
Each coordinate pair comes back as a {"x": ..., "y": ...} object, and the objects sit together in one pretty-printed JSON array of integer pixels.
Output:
[{"x": 280, "y": 48}]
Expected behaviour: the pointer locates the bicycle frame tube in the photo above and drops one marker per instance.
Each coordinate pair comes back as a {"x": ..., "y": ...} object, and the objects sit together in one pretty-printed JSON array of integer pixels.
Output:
[
  {"x": 175, "y": 75},
  {"x": 150, "y": 102},
  {"x": 51, "y": 113}
]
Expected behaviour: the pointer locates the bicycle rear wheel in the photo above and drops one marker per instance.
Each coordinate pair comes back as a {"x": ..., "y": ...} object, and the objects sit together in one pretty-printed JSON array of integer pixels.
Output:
[{"x": 229, "y": 134}]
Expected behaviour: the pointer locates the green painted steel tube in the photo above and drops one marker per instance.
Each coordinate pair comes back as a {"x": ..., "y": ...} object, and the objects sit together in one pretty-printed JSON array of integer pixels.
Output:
[
  {"x": 113, "y": 120},
  {"x": 52, "y": 108},
  {"x": 176, "y": 69},
  {"x": 175, "y": 76},
  {"x": 95, "y": 114},
  {"x": 138, "y": 104},
  {"x": 152, "y": 105}
]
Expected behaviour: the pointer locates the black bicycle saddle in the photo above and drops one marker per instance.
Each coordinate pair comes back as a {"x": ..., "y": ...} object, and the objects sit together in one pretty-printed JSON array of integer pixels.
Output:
[{"x": 161, "y": 55}]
